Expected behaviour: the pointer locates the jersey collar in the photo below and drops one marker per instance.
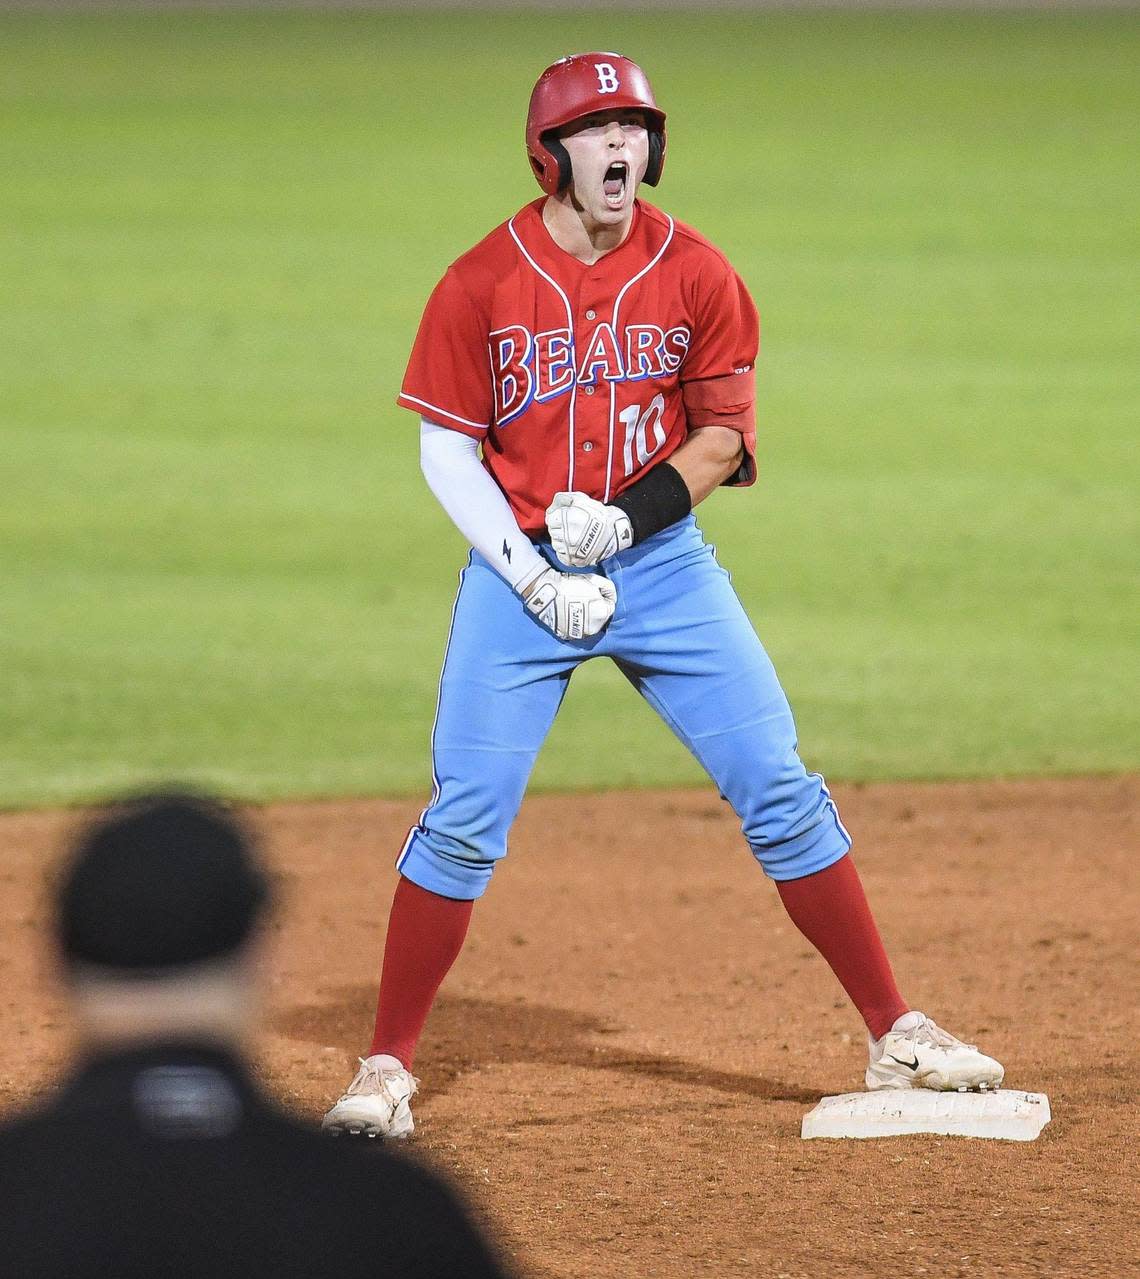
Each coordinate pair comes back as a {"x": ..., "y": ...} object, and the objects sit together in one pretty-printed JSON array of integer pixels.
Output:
[{"x": 542, "y": 246}]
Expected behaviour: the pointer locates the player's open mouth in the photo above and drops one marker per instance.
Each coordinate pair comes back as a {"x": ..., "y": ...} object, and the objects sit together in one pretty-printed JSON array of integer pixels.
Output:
[{"x": 613, "y": 184}]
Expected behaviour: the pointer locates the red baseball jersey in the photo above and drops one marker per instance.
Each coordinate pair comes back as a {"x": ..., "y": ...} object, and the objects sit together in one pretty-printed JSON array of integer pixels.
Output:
[{"x": 582, "y": 377}]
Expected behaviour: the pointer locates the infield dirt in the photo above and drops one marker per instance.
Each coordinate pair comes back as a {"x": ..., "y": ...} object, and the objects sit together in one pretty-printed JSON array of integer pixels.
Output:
[{"x": 617, "y": 1066}]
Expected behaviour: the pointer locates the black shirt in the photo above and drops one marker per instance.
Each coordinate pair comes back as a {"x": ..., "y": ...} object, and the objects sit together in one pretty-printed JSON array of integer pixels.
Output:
[{"x": 169, "y": 1162}]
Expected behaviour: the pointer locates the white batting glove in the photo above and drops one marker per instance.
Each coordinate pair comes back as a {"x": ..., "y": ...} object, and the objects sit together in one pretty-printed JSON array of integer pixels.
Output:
[
  {"x": 584, "y": 531},
  {"x": 572, "y": 605}
]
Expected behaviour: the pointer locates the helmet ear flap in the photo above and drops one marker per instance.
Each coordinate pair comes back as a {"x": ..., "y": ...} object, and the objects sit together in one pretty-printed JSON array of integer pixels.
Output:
[
  {"x": 562, "y": 158},
  {"x": 656, "y": 158}
]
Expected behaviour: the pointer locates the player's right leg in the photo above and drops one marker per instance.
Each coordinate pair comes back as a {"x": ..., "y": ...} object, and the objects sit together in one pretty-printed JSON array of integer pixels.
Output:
[{"x": 504, "y": 677}]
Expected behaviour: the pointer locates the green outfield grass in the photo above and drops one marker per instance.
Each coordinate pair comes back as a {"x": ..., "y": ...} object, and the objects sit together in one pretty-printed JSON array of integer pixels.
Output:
[{"x": 216, "y": 235}]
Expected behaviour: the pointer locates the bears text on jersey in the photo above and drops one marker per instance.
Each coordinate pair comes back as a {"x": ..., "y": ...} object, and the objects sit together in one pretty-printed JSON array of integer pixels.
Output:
[{"x": 528, "y": 367}]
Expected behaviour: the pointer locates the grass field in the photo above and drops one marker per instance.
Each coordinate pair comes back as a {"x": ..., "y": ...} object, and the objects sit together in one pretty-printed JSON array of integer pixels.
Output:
[{"x": 216, "y": 235}]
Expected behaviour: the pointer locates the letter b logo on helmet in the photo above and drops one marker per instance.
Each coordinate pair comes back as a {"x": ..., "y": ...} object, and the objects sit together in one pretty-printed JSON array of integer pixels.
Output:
[
  {"x": 570, "y": 89},
  {"x": 607, "y": 78}
]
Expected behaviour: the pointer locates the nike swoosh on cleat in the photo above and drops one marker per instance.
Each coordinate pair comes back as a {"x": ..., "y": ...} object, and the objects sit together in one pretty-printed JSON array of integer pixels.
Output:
[{"x": 910, "y": 1065}]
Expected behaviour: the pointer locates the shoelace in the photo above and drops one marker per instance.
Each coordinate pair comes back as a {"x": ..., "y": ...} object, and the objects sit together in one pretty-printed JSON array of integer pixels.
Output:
[
  {"x": 375, "y": 1079},
  {"x": 931, "y": 1033}
]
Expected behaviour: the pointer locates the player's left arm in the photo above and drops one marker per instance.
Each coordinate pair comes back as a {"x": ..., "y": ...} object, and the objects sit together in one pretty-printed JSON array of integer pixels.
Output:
[
  {"x": 719, "y": 449},
  {"x": 584, "y": 531},
  {"x": 709, "y": 456}
]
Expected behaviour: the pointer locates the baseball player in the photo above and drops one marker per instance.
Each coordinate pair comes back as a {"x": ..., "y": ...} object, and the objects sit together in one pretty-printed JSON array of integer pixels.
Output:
[{"x": 584, "y": 377}]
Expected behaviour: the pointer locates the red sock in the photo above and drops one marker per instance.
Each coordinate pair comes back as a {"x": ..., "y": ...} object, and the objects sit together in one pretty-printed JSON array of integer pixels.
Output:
[
  {"x": 425, "y": 935},
  {"x": 831, "y": 910}
]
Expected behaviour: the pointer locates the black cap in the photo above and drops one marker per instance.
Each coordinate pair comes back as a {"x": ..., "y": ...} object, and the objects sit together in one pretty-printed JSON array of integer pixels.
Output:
[{"x": 159, "y": 881}]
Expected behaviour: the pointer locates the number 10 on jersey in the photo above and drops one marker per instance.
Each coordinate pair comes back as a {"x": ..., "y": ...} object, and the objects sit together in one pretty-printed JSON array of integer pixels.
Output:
[{"x": 638, "y": 425}]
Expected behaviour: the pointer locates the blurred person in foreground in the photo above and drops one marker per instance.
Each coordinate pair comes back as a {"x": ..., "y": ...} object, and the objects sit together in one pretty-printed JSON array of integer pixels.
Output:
[{"x": 161, "y": 1156}]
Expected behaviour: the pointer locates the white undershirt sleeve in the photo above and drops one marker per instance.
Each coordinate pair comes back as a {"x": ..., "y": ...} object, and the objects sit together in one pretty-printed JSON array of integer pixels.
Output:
[{"x": 454, "y": 473}]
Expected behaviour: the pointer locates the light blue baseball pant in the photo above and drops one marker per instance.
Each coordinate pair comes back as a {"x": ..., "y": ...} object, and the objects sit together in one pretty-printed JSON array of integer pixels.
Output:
[{"x": 681, "y": 637}]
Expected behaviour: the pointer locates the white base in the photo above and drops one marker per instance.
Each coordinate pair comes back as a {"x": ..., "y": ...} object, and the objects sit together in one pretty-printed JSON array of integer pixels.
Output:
[{"x": 891, "y": 1112}]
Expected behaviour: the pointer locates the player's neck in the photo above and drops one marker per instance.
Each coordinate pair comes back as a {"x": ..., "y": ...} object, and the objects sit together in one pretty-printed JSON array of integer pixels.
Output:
[{"x": 573, "y": 230}]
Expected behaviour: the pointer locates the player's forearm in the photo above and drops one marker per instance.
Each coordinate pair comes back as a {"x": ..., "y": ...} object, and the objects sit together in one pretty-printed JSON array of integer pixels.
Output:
[
  {"x": 707, "y": 458},
  {"x": 584, "y": 531},
  {"x": 451, "y": 466}
]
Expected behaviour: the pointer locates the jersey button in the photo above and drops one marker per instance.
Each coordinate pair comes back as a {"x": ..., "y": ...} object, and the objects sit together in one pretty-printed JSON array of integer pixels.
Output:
[
  {"x": 587, "y": 447},
  {"x": 591, "y": 315},
  {"x": 589, "y": 390}
]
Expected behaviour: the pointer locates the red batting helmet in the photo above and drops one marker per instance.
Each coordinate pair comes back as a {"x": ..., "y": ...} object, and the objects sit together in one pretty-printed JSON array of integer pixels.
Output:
[{"x": 578, "y": 86}]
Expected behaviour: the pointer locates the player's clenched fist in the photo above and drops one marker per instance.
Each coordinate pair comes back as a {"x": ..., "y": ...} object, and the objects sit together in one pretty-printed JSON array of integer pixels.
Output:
[
  {"x": 572, "y": 605},
  {"x": 584, "y": 531}
]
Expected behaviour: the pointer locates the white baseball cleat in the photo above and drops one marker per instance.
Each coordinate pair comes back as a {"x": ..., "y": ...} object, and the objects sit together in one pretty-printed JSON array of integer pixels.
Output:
[
  {"x": 917, "y": 1053},
  {"x": 375, "y": 1104}
]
